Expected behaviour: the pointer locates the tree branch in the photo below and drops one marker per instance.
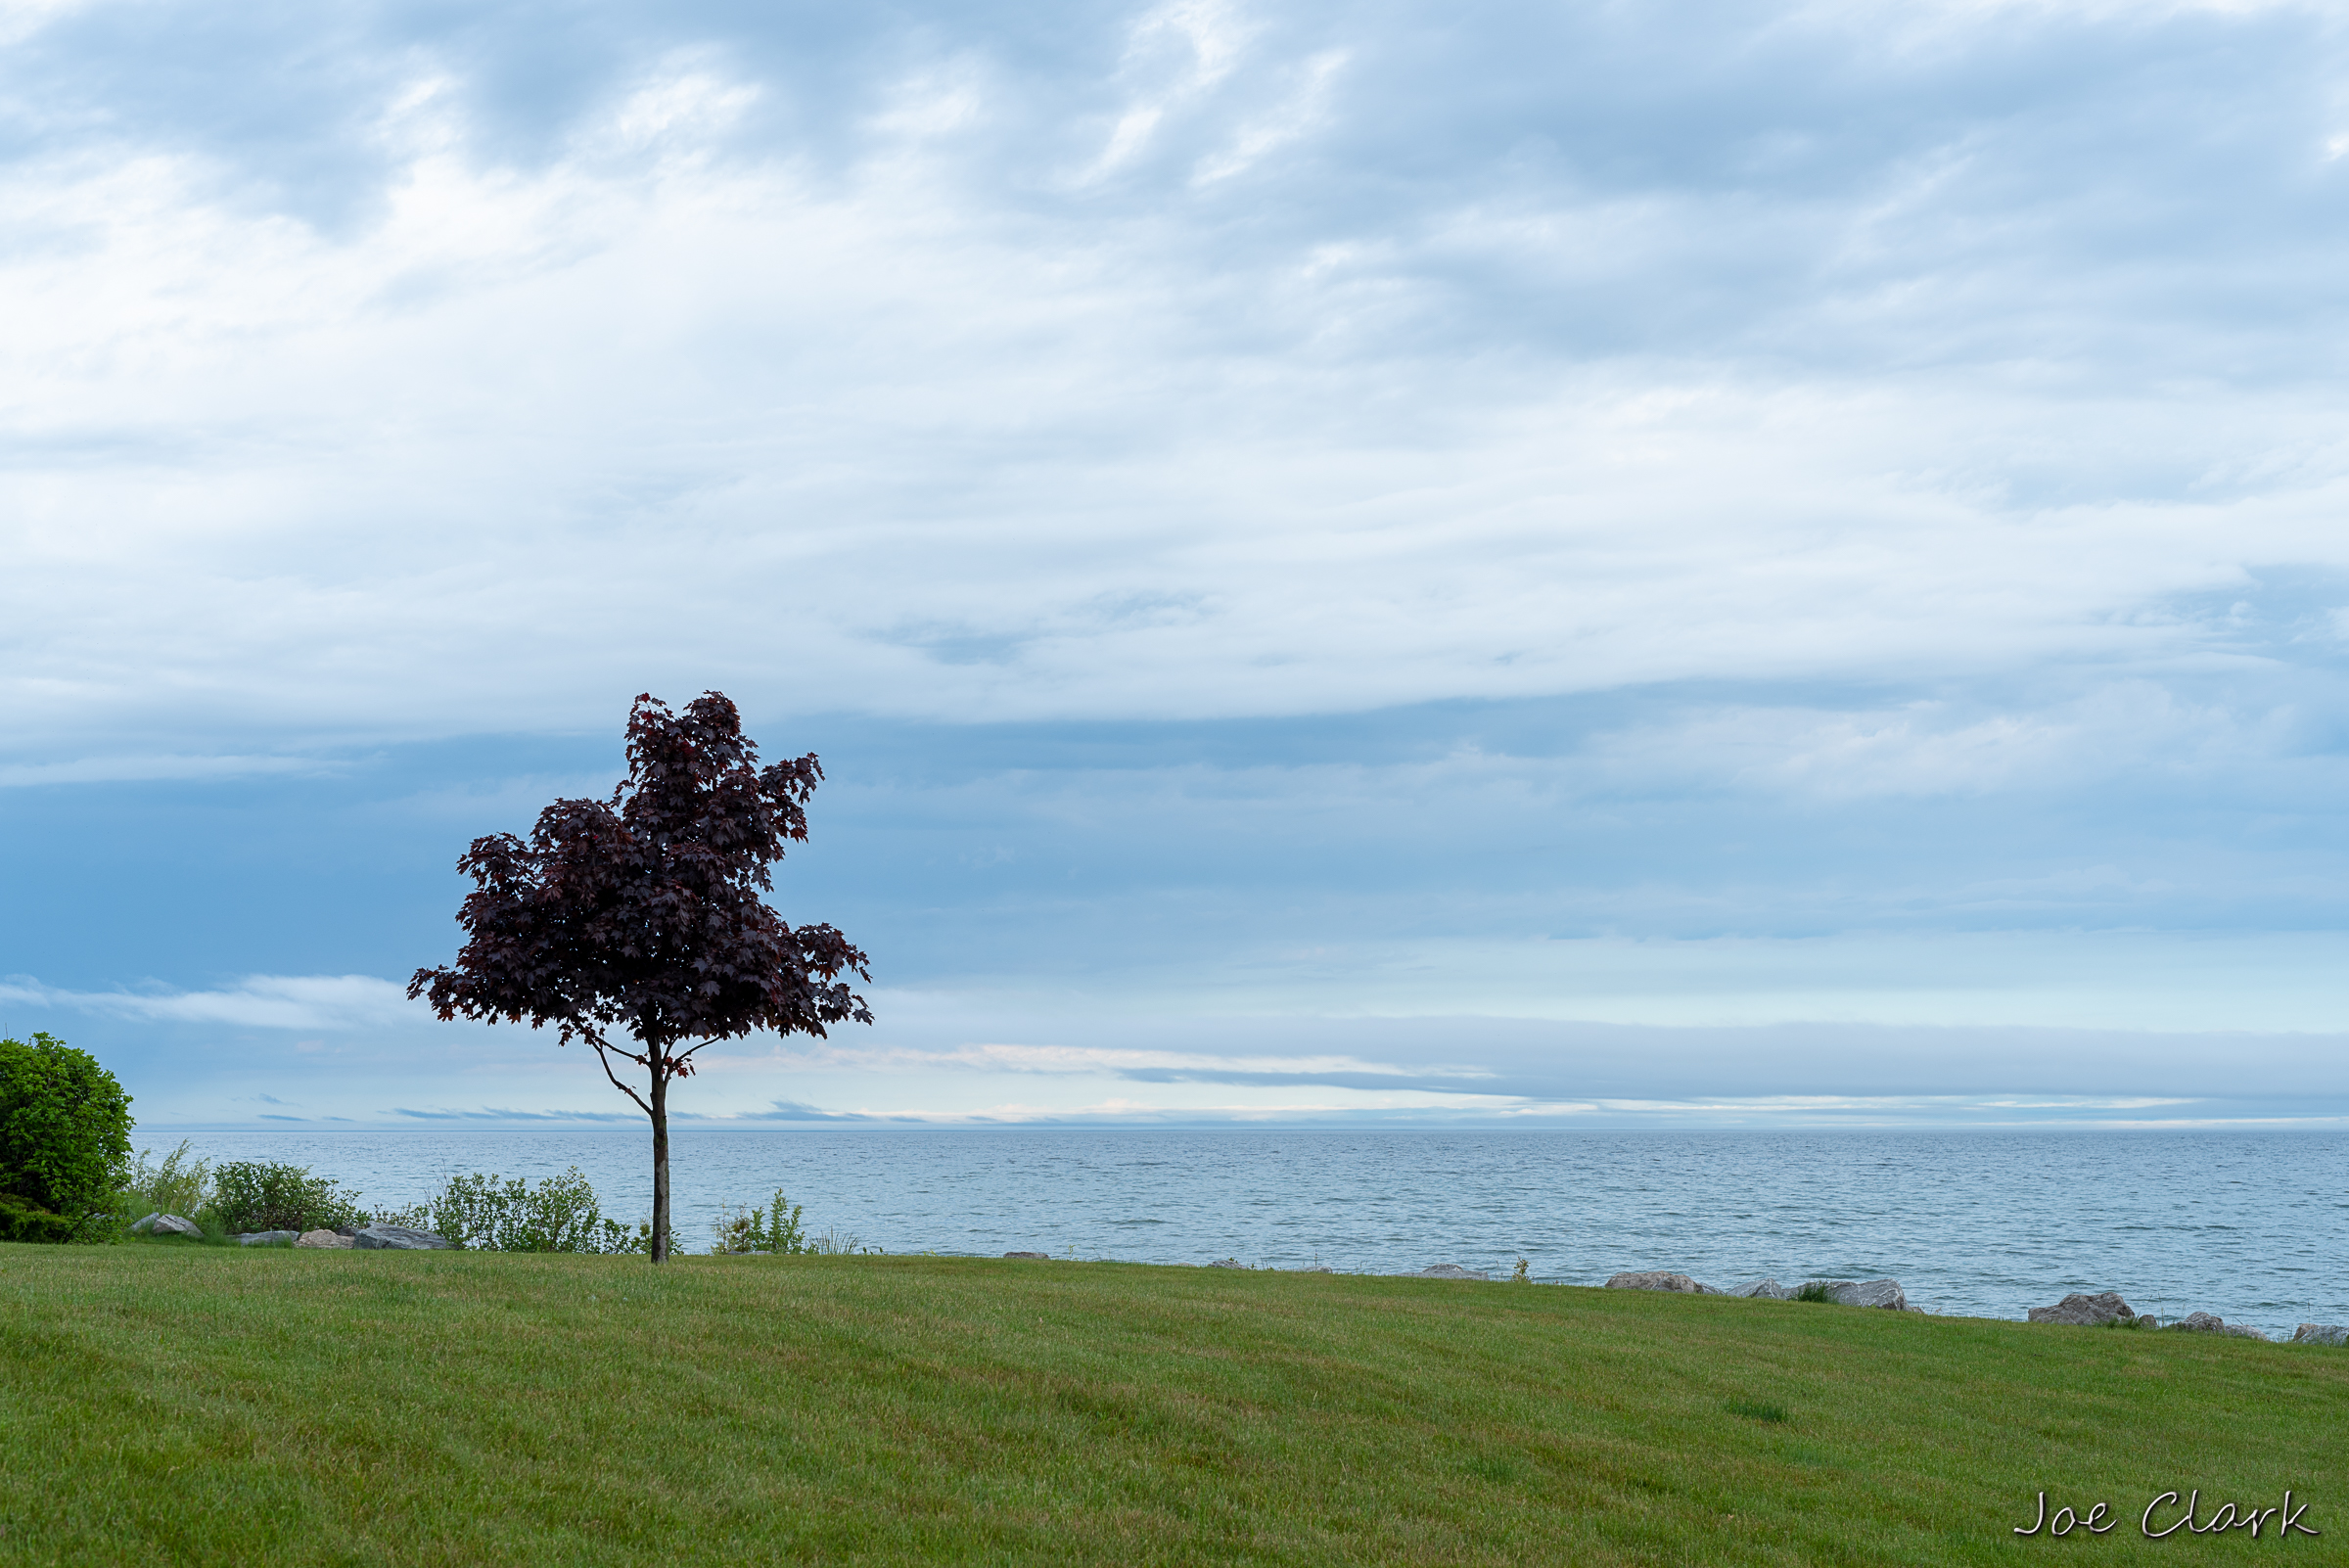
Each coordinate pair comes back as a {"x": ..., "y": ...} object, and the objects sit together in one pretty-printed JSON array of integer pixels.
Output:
[{"x": 600, "y": 1055}]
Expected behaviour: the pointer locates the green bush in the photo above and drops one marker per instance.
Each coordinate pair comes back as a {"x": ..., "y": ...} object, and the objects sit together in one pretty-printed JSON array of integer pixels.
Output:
[
  {"x": 616, "y": 1237},
  {"x": 22, "y": 1222},
  {"x": 65, "y": 1139},
  {"x": 500, "y": 1214},
  {"x": 773, "y": 1229},
  {"x": 249, "y": 1196}
]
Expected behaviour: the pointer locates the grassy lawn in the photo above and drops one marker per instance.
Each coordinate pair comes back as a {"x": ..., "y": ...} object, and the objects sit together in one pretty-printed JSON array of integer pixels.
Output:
[{"x": 176, "y": 1402}]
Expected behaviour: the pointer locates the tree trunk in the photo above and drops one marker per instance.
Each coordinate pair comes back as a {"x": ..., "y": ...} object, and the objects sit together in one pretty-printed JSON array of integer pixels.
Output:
[{"x": 659, "y": 1163}]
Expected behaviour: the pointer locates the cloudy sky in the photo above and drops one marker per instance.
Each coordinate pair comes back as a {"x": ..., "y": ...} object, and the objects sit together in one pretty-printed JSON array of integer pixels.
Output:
[{"x": 1558, "y": 564}]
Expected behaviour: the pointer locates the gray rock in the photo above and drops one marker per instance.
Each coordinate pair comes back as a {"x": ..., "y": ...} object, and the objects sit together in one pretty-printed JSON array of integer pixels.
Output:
[
  {"x": 1764, "y": 1290},
  {"x": 1657, "y": 1279},
  {"x": 1227, "y": 1263},
  {"x": 1884, "y": 1293},
  {"x": 398, "y": 1238},
  {"x": 266, "y": 1239},
  {"x": 2212, "y": 1323},
  {"x": 166, "y": 1225},
  {"x": 2321, "y": 1334},
  {"x": 2106, "y": 1306},
  {"x": 324, "y": 1238},
  {"x": 1450, "y": 1271},
  {"x": 1040, "y": 1257}
]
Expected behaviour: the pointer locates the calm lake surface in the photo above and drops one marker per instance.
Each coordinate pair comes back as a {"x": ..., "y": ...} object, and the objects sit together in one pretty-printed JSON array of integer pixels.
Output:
[{"x": 2251, "y": 1226}]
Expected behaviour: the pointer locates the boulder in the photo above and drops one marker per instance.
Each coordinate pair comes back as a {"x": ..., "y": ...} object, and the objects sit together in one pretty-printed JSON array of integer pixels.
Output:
[
  {"x": 1039, "y": 1257},
  {"x": 398, "y": 1238},
  {"x": 2212, "y": 1323},
  {"x": 140, "y": 1228},
  {"x": 1227, "y": 1263},
  {"x": 2106, "y": 1306},
  {"x": 2321, "y": 1334},
  {"x": 323, "y": 1238},
  {"x": 1657, "y": 1279},
  {"x": 1450, "y": 1271},
  {"x": 1764, "y": 1290},
  {"x": 171, "y": 1225},
  {"x": 266, "y": 1239},
  {"x": 1884, "y": 1293}
]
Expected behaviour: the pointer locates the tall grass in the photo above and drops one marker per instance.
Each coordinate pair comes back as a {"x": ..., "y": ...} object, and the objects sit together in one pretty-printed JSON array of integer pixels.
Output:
[{"x": 178, "y": 1183}]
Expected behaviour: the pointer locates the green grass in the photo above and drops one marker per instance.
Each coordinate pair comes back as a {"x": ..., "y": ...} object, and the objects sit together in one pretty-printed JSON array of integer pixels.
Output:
[{"x": 170, "y": 1404}]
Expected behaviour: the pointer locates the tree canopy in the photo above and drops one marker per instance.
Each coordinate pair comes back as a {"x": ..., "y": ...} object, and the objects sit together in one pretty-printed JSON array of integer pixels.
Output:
[{"x": 64, "y": 1137}]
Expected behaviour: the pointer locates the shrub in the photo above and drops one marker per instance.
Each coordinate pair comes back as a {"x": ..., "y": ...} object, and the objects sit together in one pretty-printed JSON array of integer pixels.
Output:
[
  {"x": 176, "y": 1185},
  {"x": 1816, "y": 1291},
  {"x": 497, "y": 1213},
  {"x": 65, "y": 1139},
  {"x": 22, "y": 1222},
  {"x": 616, "y": 1237},
  {"x": 249, "y": 1196},
  {"x": 773, "y": 1230}
]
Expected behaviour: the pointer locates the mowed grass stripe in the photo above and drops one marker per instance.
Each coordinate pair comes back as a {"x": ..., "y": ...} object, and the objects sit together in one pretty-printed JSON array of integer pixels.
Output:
[{"x": 182, "y": 1404}]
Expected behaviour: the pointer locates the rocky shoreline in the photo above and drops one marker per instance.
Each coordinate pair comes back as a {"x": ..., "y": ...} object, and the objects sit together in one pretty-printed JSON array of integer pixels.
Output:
[
  {"x": 2103, "y": 1309},
  {"x": 365, "y": 1238}
]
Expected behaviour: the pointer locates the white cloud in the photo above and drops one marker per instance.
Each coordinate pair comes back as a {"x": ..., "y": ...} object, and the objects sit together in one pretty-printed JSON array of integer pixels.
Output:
[
  {"x": 1892, "y": 412},
  {"x": 845, "y": 1053},
  {"x": 525, "y": 437},
  {"x": 2121, "y": 728},
  {"x": 21, "y": 19},
  {"x": 1176, "y": 53},
  {"x": 2178, "y": 985},
  {"x": 107, "y": 770},
  {"x": 333, "y": 1002},
  {"x": 1499, "y": 1036},
  {"x": 1307, "y": 108}
]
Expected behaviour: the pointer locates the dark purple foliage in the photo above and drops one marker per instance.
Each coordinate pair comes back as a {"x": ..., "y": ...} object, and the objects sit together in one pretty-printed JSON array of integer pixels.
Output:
[{"x": 643, "y": 913}]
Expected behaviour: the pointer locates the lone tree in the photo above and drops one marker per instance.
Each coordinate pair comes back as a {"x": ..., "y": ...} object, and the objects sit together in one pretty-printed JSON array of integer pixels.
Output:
[{"x": 642, "y": 914}]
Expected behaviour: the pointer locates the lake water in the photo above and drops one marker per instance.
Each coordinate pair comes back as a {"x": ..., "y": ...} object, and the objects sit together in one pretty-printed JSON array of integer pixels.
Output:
[{"x": 2251, "y": 1226}]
